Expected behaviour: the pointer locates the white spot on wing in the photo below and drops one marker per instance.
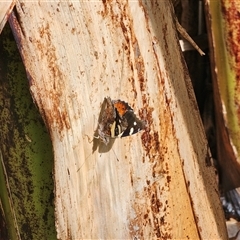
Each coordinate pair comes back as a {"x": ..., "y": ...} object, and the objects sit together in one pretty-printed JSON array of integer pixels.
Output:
[{"x": 131, "y": 131}]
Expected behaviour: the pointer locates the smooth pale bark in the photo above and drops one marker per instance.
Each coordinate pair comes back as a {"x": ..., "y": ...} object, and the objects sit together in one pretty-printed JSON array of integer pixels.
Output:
[{"x": 155, "y": 184}]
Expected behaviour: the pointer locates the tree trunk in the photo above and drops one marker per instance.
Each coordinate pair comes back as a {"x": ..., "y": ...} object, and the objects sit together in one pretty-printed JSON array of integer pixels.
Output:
[{"x": 154, "y": 184}]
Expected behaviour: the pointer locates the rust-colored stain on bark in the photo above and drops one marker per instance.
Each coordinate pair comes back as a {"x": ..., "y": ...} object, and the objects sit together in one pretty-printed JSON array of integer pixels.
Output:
[
  {"x": 48, "y": 97},
  {"x": 56, "y": 113},
  {"x": 150, "y": 214},
  {"x": 121, "y": 18},
  {"x": 231, "y": 13}
]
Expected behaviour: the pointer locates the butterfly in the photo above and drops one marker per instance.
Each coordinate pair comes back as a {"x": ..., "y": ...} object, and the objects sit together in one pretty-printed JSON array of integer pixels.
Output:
[{"x": 117, "y": 119}]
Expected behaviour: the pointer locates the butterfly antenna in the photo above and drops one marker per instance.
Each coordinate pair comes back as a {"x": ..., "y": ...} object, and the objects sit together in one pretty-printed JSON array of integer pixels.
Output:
[{"x": 115, "y": 155}]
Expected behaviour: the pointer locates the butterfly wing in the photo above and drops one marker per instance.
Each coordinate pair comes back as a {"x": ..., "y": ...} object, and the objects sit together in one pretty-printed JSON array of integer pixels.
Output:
[
  {"x": 134, "y": 125},
  {"x": 105, "y": 121}
]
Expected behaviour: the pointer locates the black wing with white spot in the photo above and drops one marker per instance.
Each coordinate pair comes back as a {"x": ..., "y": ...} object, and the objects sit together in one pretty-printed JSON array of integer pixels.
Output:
[{"x": 134, "y": 125}]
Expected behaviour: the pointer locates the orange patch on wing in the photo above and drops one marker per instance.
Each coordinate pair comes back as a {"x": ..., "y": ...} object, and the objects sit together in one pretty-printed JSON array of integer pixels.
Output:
[{"x": 121, "y": 108}]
